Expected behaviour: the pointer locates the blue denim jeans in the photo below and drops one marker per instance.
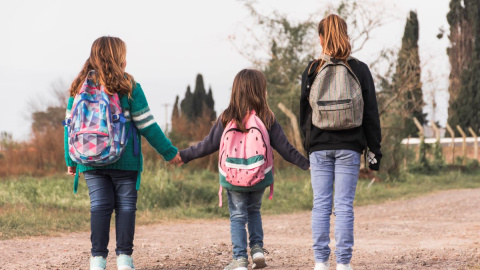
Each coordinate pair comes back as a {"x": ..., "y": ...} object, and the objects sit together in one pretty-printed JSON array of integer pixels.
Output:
[
  {"x": 329, "y": 169},
  {"x": 245, "y": 208},
  {"x": 109, "y": 190}
]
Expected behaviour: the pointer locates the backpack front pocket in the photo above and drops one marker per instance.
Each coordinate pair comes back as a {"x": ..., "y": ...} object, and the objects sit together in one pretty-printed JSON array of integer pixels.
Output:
[
  {"x": 244, "y": 172},
  {"x": 90, "y": 143},
  {"x": 335, "y": 114}
]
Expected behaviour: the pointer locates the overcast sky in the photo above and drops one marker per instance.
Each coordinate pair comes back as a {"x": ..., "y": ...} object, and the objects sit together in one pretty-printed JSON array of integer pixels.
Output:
[{"x": 168, "y": 44}]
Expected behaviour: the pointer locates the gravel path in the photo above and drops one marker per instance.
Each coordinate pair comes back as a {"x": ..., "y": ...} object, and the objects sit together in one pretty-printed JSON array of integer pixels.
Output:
[{"x": 437, "y": 231}]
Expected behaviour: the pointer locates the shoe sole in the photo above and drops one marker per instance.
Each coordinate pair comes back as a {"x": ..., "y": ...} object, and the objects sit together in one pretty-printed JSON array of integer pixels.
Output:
[
  {"x": 238, "y": 268},
  {"x": 258, "y": 261}
]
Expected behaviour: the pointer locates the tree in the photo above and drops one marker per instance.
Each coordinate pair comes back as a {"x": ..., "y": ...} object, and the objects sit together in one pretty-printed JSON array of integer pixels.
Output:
[
  {"x": 209, "y": 101},
  {"x": 186, "y": 105},
  {"x": 199, "y": 103},
  {"x": 199, "y": 96},
  {"x": 400, "y": 97},
  {"x": 461, "y": 20},
  {"x": 465, "y": 107},
  {"x": 194, "y": 120},
  {"x": 407, "y": 78},
  {"x": 175, "y": 112}
]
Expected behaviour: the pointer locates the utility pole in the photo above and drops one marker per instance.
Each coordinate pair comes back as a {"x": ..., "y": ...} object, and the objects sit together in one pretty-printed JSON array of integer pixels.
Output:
[{"x": 166, "y": 105}]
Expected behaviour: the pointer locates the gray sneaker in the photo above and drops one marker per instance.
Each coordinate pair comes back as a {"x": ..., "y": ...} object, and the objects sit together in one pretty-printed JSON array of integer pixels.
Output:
[
  {"x": 258, "y": 257},
  {"x": 238, "y": 264}
]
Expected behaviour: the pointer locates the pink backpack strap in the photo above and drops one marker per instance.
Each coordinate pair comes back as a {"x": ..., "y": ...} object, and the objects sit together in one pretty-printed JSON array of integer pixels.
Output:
[
  {"x": 271, "y": 191},
  {"x": 220, "y": 196}
]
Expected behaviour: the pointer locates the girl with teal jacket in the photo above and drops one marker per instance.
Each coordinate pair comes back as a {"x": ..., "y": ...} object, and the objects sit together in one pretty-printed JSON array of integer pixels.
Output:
[{"x": 115, "y": 186}]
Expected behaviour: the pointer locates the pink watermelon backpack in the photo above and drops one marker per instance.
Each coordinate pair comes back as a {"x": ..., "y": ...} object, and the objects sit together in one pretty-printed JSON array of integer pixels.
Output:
[{"x": 245, "y": 158}]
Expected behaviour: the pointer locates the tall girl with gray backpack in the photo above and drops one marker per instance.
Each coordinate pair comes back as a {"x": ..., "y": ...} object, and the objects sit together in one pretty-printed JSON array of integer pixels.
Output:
[
  {"x": 106, "y": 113},
  {"x": 244, "y": 135},
  {"x": 339, "y": 120}
]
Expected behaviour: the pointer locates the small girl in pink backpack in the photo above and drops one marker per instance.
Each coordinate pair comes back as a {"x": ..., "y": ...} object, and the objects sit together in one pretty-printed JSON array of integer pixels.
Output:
[{"x": 244, "y": 135}]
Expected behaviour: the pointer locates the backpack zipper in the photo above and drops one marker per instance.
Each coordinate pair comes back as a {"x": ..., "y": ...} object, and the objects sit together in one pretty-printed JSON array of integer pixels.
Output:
[{"x": 333, "y": 102}]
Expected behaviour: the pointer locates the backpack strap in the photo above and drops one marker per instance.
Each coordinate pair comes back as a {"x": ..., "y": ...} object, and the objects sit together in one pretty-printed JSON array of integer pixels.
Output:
[
  {"x": 139, "y": 179},
  {"x": 133, "y": 132},
  {"x": 75, "y": 182},
  {"x": 220, "y": 196},
  {"x": 271, "y": 191}
]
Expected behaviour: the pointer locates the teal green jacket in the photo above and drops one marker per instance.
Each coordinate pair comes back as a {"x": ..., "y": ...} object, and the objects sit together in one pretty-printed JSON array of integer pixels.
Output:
[{"x": 137, "y": 112}]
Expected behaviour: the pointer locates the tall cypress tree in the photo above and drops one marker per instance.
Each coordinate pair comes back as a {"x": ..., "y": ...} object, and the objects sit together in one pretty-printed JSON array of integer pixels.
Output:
[
  {"x": 407, "y": 78},
  {"x": 461, "y": 21},
  {"x": 211, "y": 103},
  {"x": 175, "y": 112},
  {"x": 199, "y": 96},
  {"x": 209, "y": 100},
  {"x": 465, "y": 106},
  {"x": 195, "y": 104},
  {"x": 187, "y": 104}
]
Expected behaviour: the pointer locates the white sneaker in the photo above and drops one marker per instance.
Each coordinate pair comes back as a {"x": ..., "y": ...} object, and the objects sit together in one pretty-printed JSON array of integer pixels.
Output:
[
  {"x": 98, "y": 263},
  {"x": 344, "y": 266},
  {"x": 322, "y": 266},
  {"x": 125, "y": 262}
]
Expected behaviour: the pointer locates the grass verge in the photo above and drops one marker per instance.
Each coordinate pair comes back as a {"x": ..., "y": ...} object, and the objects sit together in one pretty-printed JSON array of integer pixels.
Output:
[{"x": 47, "y": 206}]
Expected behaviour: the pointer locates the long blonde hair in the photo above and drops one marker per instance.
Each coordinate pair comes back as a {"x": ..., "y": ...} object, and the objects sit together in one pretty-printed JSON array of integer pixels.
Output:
[
  {"x": 249, "y": 92},
  {"x": 107, "y": 58},
  {"x": 333, "y": 30}
]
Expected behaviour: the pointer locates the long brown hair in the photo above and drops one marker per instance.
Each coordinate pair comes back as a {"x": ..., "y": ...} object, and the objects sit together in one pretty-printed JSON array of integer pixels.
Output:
[
  {"x": 107, "y": 58},
  {"x": 333, "y": 30},
  {"x": 249, "y": 92}
]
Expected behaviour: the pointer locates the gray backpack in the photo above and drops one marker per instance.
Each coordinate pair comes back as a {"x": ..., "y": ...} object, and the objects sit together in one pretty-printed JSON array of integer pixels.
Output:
[{"x": 336, "y": 97}]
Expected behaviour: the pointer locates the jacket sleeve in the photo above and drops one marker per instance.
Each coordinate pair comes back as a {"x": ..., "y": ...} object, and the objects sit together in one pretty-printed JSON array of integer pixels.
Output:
[
  {"x": 147, "y": 126},
  {"x": 68, "y": 160},
  {"x": 210, "y": 144},
  {"x": 371, "y": 119},
  {"x": 280, "y": 143}
]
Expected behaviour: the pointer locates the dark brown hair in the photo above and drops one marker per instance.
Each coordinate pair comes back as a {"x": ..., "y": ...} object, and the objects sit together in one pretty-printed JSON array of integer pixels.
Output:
[
  {"x": 107, "y": 58},
  {"x": 249, "y": 92}
]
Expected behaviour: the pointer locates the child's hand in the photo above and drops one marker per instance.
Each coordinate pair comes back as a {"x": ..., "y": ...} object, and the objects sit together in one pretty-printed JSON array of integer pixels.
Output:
[
  {"x": 373, "y": 163},
  {"x": 71, "y": 171},
  {"x": 177, "y": 160}
]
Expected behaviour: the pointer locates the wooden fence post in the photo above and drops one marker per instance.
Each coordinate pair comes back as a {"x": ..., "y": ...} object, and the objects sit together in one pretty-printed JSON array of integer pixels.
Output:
[
  {"x": 293, "y": 121},
  {"x": 452, "y": 135},
  {"x": 475, "y": 147},
  {"x": 436, "y": 130},
  {"x": 464, "y": 144},
  {"x": 438, "y": 146},
  {"x": 406, "y": 155},
  {"x": 421, "y": 133}
]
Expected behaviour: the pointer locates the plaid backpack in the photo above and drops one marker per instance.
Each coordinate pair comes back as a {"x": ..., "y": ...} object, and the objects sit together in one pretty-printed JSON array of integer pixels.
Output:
[
  {"x": 96, "y": 126},
  {"x": 245, "y": 159},
  {"x": 336, "y": 97}
]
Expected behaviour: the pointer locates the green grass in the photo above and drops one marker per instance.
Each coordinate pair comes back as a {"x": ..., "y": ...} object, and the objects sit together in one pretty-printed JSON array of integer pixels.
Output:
[{"x": 46, "y": 206}]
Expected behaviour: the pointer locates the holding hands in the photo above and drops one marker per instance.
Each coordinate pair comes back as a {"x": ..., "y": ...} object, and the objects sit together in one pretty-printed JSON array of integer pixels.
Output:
[{"x": 177, "y": 160}]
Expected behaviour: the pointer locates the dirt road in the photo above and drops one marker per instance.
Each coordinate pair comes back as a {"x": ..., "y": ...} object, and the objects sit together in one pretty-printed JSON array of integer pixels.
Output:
[{"x": 437, "y": 231}]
